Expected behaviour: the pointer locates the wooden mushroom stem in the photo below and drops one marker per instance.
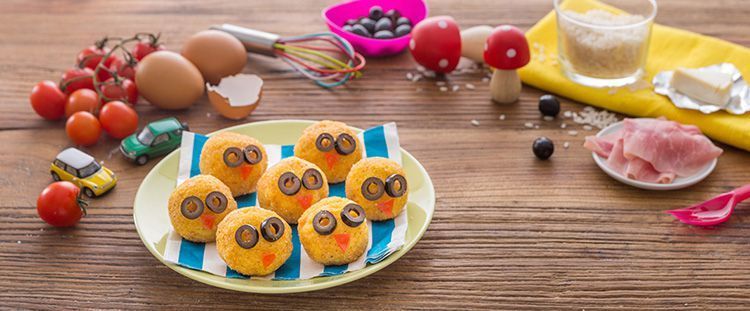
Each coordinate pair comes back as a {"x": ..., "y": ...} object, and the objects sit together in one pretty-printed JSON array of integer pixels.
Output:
[{"x": 505, "y": 86}]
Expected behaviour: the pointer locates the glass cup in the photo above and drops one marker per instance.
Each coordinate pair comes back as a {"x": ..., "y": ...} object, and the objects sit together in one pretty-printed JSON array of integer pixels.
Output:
[{"x": 604, "y": 43}]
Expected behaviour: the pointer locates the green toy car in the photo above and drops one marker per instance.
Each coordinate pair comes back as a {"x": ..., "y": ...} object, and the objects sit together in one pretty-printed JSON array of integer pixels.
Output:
[{"x": 157, "y": 138}]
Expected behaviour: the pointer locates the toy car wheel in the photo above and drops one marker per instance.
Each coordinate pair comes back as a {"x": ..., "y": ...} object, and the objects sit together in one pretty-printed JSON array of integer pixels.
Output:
[
  {"x": 55, "y": 176},
  {"x": 141, "y": 160},
  {"x": 89, "y": 193}
]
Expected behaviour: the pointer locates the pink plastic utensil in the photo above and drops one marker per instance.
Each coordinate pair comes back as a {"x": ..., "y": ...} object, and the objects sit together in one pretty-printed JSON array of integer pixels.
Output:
[
  {"x": 713, "y": 211},
  {"x": 337, "y": 15}
]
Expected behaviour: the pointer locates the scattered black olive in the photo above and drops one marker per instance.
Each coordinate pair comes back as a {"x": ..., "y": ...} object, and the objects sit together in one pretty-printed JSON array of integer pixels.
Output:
[
  {"x": 543, "y": 148},
  {"x": 376, "y": 12},
  {"x": 368, "y": 23},
  {"x": 403, "y": 21},
  {"x": 383, "y": 34},
  {"x": 402, "y": 30},
  {"x": 347, "y": 28},
  {"x": 549, "y": 105},
  {"x": 393, "y": 15},
  {"x": 360, "y": 30},
  {"x": 383, "y": 24}
]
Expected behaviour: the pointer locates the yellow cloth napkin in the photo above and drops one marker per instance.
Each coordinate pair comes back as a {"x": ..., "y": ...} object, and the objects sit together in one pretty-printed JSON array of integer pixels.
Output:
[{"x": 670, "y": 48}]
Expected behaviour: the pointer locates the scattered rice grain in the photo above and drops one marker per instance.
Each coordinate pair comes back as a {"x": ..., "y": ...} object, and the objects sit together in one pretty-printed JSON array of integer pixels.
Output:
[
  {"x": 549, "y": 118},
  {"x": 474, "y": 122},
  {"x": 502, "y": 117},
  {"x": 573, "y": 133},
  {"x": 566, "y": 145},
  {"x": 456, "y": 88},
  {"x": 528, "y": 125},
  {"x": 469, "y": 86},
  {"x": 587, "y": 127},
  {"x": 443, "y": 88}
]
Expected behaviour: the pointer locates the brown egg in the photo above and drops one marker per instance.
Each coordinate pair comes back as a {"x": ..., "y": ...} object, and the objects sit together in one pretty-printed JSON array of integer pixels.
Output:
[
  {"x": 217, "y": 54},
  {"x": 168, "y": 80}
]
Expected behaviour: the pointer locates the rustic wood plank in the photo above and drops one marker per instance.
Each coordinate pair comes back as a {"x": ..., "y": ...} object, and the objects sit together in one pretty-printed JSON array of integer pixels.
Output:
[{"x": 509, "y": 232}]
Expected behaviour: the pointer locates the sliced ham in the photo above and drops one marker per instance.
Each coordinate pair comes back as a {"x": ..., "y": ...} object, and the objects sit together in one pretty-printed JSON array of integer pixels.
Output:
[{"x": 655, "y": 150}]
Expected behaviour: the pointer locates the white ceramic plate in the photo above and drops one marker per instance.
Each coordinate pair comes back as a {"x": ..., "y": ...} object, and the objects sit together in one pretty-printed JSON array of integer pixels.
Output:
[{"x": 678, "y": 183}]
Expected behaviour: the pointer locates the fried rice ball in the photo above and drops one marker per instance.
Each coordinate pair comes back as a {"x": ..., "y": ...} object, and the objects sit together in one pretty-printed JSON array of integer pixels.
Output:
[
  {"x": 334, "y": 231},
  {"x": 254, "y": 241},
  {"x": 290, "y": 187},
  {"x": 379, "y": 186},
  {"x": 332, "y": 146},
  {"x": 198, "y": 205},
  {"x": 235, "y": 159}
]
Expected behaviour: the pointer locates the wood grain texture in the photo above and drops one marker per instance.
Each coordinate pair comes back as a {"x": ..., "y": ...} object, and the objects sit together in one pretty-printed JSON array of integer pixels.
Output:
[{"x": 509, "y": 232}]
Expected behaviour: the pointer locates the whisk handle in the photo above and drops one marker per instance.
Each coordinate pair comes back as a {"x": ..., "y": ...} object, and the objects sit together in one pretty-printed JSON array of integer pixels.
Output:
[{"x": 255, "y": 41}]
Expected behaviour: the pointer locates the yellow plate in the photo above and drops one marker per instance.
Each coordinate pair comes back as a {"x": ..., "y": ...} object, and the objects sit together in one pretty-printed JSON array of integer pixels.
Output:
[{"x": 152, "y": 221}]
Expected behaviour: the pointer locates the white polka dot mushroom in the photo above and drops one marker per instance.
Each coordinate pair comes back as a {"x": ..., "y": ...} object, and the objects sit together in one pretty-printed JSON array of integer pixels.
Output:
[
  {"x": 436, "y": 44},
  {"x": 506, "y": 50}
]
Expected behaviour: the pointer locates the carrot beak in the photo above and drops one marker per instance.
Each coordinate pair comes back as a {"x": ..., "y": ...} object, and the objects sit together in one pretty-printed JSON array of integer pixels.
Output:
[
  {"x": 386, "y": 207},
  {"x": 268, "y": 259},
  {"x": 304, "y": 201},
  {"x": 246, "y": 170},
  {"x": 208, "y": 221},
  {"x": 331, "y": 159},
  {"x": 342, "y": 239}
]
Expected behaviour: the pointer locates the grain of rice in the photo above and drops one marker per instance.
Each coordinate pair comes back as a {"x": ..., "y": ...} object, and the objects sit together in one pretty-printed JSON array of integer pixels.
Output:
[
  {"x": 474, "y": 122},
  {"x": 469, "y": 86},
  {"x": 443, "y": 88},
  {"x": 528, "y": 125},
  {"x": 573, "y": 133},
  {"x": 549, "y": 118},
  {"x": 502, "y": 117}
]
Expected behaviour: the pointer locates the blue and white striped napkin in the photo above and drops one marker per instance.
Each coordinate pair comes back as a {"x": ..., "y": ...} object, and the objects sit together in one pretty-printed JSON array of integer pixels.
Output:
[{"x": 386, "y": 237}]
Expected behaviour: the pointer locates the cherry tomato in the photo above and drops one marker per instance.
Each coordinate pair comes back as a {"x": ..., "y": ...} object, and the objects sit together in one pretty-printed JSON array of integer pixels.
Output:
[
  {"x": 60, "y": 204},
  {"x": 82, "y": 100},
  {"x": 118, "y": 119},
  {"x": 48, "y": 100},
  {"x": 76, "y": 79},
  {"x": 90, "y": 58},
  {"x": 123, "y": 68},
  {"x": 83, "y": 128},
  {"x": 121, "y": 89},
  {"x": 141, "y": 49}
]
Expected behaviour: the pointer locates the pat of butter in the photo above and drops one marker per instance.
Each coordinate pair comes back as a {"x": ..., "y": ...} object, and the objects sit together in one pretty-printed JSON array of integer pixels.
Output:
[{"x": 707, "y": 86}]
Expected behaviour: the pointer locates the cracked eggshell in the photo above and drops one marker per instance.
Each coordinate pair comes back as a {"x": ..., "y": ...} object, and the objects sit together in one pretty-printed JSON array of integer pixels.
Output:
[{"x": 235, "y": 97}]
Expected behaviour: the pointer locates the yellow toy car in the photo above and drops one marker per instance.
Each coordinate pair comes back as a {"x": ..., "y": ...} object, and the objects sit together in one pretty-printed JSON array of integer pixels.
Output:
[{"x": 82, "y": 169}]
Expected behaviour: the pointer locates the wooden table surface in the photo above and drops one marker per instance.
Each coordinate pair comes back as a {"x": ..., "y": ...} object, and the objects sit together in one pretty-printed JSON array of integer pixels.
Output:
[{"x": 509, "y": 231}]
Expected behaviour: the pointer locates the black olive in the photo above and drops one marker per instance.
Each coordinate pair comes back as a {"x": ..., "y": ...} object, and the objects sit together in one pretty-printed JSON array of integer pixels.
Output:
[
  {"x": 325, "y": 142},
  {"x": 376, "y": 12},
  {"x": 195, "y": 211},
  {"x": 395, "y": 185},
  {"x": 383, "y": 24},
  {"x": 289, "y": 183},
  {"x": 272, "y": 229},
  {"x": 543, "y": 148},
  {"x": 253, "y": 154},
  {"x": 347, "y": 28},
  {"x": 379, "y": 188},
  {"x": 324, "y": 222},
  {"x": 353, "y": 221},
  {"x": 216, "y": 202},
  {"x": 233, "y": 157},
  {"x": 393, "y": 15},
  {"x": 369, "y": 24},
  {"x": 383, "y": 34},
  {"x": 250, "y": 242},
  {"x": 403, "y": 21},
  {"x": 345, "y": 144},
  {"x": 549, "y": 105},
  {"x": 361, "y": 30},
  {"x": 402, "y": 30},
  {"x": 351, "y": 21},
  {"x": 312, "y": 179}
]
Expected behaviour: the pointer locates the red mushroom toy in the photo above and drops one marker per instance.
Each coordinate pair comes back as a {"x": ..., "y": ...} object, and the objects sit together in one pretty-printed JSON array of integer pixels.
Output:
[
  {"x": 436, "y": 43},
  {"x": 506, "y": 50}
]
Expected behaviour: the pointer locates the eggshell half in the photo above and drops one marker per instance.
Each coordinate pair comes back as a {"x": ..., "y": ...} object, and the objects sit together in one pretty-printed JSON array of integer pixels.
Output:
[{"x": 236, "y": 96}]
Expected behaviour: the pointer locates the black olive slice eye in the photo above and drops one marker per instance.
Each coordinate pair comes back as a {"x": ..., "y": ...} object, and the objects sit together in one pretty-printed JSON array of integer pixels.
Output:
[
  {"x": 233, "y": 157},
  {"x": 289, "y": 183},
  {"x": 312, "y": 179},
  {"x": 216, "y": 202},
  {"x": 272, "y": 229},
  {"x": 353, "y": 215},
  {"x": 372, "y": 188},
  {"x": 325, "y": 142},
  {"x": 324, "y": 223},
  {"x": 395, "y": 185},
  {"x": 246, "y": 236},
  {"x": 191, "y": 207},
  {"x": 345, "y": 144},
  {"x": 253, "y": 154}
]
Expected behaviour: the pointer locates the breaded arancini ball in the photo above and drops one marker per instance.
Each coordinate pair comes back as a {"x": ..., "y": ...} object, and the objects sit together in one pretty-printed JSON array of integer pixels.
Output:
[
  {"x": 290, "y": 187},
  {"x": 334, "y": 231},
  {"x": 235, "y": 159},
  {"x": 332, "y": 146},
  {"x": 254, "y": 241},
  {"x": 379, "y": 186},
  {"x": 198, "y": 205}
]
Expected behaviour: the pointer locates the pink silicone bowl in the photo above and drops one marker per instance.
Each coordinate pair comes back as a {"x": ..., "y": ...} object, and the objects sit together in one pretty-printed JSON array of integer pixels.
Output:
[{"x": 337, "y": 15}]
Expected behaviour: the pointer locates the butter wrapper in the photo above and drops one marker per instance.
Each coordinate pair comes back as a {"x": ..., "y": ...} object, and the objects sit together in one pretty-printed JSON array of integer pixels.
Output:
[{"x": 740, "y": 94}]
